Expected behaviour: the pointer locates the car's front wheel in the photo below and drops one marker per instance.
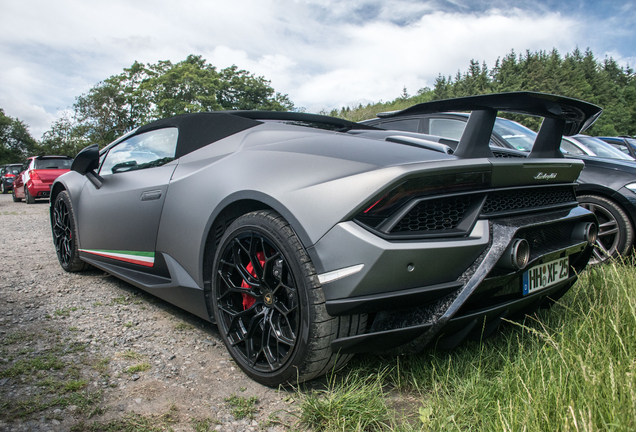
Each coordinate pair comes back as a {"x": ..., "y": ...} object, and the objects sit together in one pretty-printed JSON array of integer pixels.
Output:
[
  {"x": 65, "y": 234},
  {"x": 615, "y": 231},
  {"x": 2, "y": 188},
  {"x": 269, "y": 305}
]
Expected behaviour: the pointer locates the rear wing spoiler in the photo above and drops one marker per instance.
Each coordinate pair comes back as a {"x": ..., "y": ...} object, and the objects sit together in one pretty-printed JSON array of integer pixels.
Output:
[{"x": 562, "y": 116}]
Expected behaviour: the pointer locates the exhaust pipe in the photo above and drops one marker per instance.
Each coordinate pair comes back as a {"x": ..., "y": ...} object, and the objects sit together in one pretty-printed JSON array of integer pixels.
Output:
[
  {"x": 587, "y": 231},
  {"x": 516, "y": 256}
]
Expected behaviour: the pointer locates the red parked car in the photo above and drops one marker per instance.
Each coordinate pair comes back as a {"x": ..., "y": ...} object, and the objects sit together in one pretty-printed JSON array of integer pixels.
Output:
[{"x": 37, "y": 176}]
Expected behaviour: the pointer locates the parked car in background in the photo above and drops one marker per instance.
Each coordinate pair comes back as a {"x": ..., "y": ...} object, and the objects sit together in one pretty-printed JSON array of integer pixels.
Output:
[
  {"x": 309, "y": 238},
  {"x": 37, "y": 176},
  {"x": 580, "y": 144},
  {"x": 7, "y": 176},
  {"x": 607, "y": 187},
  {"x": 624, "y": 143}
]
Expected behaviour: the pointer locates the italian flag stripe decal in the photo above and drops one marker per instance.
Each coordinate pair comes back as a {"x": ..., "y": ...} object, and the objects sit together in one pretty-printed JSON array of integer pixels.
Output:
[{"x": 146, "y": 259}]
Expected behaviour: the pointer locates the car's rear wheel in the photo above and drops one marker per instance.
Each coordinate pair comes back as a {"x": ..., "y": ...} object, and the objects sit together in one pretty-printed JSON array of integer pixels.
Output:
[
  {"x": 269, "y": 305},
  {"x": 15, "y": 198},
  {"x": 27, "y": 196},
  {"x": 65, "y": 234},
  {"x": 615, "y": 231}
]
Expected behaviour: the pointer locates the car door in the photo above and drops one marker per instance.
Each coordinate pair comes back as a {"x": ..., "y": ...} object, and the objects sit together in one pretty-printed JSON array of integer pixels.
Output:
[
  {"x": 20, "y": 180},
  {"x": 119, "y": 220}
]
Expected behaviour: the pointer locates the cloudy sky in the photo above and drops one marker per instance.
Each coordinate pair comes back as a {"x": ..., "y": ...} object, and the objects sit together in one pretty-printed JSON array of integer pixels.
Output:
[{"x": 323, "y": 53}]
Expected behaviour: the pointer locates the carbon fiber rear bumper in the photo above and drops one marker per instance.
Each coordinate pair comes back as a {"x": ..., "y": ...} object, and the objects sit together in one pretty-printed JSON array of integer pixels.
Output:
[
  {"x": 478, "y": 323},
  {"x": 406, "y": 321}
]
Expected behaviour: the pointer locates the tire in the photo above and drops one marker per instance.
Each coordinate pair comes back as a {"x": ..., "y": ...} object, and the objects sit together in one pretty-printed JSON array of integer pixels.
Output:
[
  {"x": 616, "y": 234},
  {"x": 27, "y": 196},
  {"x": 65, "y": 234},
  {"x": 2, "y": 188},
  {"x": 15, "y": 198},
  {"x": 265, "y": 295}
]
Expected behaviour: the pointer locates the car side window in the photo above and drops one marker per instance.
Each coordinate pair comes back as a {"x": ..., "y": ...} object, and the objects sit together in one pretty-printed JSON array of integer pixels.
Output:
[
  {"x": 568, "y": 147},
  {"x": 447, "y": 128},
  {"x": 147, "y": 150},
  {"x": 408, "y": 125},
  {"x": 621, "y": 147}
]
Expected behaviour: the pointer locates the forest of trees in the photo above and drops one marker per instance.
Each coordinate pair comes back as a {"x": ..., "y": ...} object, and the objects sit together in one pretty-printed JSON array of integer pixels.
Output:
[
  {"x": 143, "y": 93},
  {"x": 577, "y": 75}
]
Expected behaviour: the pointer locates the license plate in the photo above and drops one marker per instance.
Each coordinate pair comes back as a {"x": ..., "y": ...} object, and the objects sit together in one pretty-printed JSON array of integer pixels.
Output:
[{"x": 545, "y": 275}]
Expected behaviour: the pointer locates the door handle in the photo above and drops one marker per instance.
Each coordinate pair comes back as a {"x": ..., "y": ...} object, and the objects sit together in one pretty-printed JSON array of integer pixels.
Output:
[{"x": 151, "y": 195}]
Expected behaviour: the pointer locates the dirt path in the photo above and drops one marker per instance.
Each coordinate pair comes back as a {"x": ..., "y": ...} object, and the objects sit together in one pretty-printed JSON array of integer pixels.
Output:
[{"x": 82, "y": 350}]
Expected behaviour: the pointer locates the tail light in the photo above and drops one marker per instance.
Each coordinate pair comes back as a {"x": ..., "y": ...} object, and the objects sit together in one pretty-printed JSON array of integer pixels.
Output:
[
  {"x": 10, "y": 175},
  {"x": 33, "y": 175},
  {"x": 382, "y": 207}
]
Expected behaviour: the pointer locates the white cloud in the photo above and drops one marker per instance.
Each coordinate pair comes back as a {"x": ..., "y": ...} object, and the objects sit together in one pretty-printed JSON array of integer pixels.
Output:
[
  {"x": 323, "y": 53},
  {"x": 34, "y": 116}
]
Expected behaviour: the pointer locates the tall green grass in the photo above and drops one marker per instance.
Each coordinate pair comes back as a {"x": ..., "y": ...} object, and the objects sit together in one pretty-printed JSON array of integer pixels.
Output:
[{"x": 570, "y": 368}]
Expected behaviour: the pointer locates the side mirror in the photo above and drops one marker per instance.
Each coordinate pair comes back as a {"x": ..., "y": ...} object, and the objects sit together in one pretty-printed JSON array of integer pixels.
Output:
[{"x": 86, "y": 162}]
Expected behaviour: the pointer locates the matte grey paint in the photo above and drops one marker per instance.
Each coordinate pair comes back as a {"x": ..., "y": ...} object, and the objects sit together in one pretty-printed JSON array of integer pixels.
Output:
[
  {"x": 115, "y": 217},
  {"x": 385, "y": 263},
  {"x": 181, "y": 290},
  {"x": 317, "y": 180}
]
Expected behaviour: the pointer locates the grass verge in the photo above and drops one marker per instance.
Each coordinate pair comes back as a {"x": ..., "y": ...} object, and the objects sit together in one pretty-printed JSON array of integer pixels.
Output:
[{"x": 569, "y": 368}]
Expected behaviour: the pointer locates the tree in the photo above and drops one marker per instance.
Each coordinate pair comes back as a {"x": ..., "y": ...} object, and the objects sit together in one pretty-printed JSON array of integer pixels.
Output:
[
  {"x": 143, "y": 93},
  {"x": 16, "y": 143},
  {"x": 66, "y": 137},
  {"x": 578, "y": 75},
  {"x": 186, "y": 87}
]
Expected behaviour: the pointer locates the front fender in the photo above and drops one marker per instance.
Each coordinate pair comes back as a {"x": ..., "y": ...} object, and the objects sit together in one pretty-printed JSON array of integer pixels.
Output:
[{"x": 72, "y": 183}]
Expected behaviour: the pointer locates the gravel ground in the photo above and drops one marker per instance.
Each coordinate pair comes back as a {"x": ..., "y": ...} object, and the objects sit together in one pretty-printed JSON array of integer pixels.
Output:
[{"x": 86, "y": 351}]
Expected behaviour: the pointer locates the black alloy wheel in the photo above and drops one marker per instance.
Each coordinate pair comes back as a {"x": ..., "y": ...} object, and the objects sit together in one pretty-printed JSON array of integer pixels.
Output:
[
  {"x": 257, "y": 298},
  {"x": 269, "y": 305},
  {"x": 65, "y": 234},
  {"x": 615, "y": 232}
]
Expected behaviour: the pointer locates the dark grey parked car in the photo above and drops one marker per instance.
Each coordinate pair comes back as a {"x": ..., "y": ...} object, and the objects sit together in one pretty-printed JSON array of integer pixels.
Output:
[
  {"x": 309, "y": 238},
  {"x": 624, "y": 143},
  {"x": 607, "y": 187},
  {"x": 8, "y": 174}
]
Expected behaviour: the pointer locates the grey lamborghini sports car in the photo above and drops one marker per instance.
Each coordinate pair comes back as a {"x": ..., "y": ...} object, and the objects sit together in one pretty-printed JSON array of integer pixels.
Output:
[{"x": 308, "y": 238}]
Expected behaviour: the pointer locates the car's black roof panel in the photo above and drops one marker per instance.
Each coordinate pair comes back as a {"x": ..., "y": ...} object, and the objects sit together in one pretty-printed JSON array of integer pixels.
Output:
[{"x": 197, "y": 130}]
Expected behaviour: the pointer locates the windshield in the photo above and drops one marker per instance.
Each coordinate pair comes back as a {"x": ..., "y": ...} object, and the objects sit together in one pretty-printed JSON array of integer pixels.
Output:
[
  {"x": 517, "y": 135},
  {"x": 602, "y": 149},
  {"x": 53, "y": 163}
]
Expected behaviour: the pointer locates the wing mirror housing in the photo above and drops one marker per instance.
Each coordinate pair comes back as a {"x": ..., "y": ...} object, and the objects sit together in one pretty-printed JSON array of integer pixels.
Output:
[{"x": 86, "y": 162}]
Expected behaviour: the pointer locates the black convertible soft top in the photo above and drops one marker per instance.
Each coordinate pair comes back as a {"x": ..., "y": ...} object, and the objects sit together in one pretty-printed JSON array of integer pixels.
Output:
[{"x": 197, "y": 130}]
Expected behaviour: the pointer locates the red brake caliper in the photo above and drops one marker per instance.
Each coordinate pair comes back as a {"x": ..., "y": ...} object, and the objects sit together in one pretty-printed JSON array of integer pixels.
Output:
[{"x": 248, "y": 300}]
